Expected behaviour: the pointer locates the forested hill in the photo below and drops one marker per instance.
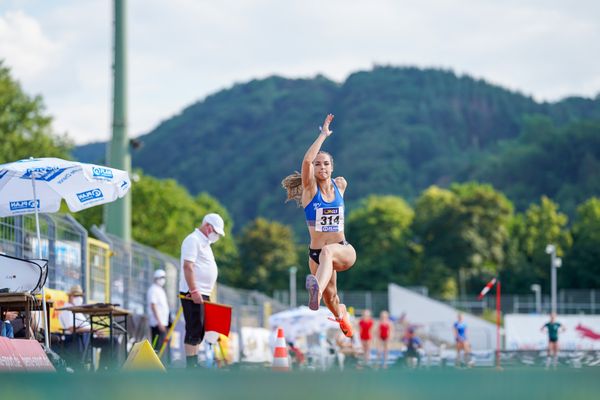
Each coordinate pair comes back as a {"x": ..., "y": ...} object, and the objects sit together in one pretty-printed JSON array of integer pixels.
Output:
[{"x": 396, "y": 131}]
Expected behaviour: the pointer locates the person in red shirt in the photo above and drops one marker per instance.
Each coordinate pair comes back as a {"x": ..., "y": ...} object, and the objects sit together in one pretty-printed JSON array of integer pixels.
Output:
[
  {"x": 385, "y": 333},
  {"x": 365, "y": 324}
]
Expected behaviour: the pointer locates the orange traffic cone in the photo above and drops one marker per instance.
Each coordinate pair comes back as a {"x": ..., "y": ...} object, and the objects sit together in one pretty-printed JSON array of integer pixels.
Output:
[{"x": 280, "y": 357}]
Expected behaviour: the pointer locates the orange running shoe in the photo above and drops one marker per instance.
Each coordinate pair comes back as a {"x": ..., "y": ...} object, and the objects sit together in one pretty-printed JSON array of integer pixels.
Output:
[
  {"x": 345, "y": 326},
  {"x": 344, "y": 322}
]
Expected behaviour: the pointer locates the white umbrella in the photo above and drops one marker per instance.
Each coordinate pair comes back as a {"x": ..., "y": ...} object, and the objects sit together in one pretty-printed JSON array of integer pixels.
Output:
[{"x": 37, "y": 185}]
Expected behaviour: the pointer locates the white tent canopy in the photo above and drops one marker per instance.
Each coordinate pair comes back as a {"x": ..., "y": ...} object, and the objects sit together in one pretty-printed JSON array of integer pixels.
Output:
[{"x": 302, "y": 321}]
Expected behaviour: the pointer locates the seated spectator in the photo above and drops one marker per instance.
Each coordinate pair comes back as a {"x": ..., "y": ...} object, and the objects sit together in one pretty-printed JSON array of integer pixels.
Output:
[
  {"x": 413, "y": 344},
  {"x": 74, "y": 345},
  {"x": 79, "y": 324},
  {"x": 6, "y": 328}
]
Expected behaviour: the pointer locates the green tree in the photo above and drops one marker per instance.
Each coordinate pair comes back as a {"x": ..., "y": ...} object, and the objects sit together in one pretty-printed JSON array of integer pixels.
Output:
[
  {"x": 484, "y": 216},
  {"x": 540, "y": 225},
  {"x": 582, "y": 264},
  {"x": 25, "y": 130},
  {"x": 379, "y": 231},
  {"x": 266, "y": 250},
  {"x": 464, "y": 230},
  {"x": 433, "y": 227}
]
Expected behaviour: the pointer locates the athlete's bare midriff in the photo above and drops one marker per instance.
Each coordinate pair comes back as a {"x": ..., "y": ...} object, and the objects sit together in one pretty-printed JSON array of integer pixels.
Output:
[{"x": 318, "y": 240}]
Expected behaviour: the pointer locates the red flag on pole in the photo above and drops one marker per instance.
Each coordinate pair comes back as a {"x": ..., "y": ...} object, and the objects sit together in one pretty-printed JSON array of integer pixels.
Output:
[
  {"x": 486, "y": 289},
  {"x": 217, "y": 317}
]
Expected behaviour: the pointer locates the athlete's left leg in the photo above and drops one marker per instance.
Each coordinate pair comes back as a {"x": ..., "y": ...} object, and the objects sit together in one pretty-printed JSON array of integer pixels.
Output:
[{"x": 330, "y": 296}]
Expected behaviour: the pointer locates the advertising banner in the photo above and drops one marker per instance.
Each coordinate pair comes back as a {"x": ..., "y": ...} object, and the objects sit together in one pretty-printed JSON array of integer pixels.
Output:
[
  {"x": 23, "y": 355},
  {"x": 577, "y": 332}
]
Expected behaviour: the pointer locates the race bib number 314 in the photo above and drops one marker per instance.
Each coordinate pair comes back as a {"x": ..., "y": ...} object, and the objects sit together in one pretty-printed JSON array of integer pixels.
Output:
[{"x": 330, "y": 219}]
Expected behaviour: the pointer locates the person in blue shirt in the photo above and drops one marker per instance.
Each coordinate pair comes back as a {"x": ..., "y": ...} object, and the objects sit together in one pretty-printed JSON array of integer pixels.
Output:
[
  {"x": 322, "y": 198},
  {"x": 412, "y": 356},
  {"x": 6, "y": 328},
  {"x": 463, "y": 349}
]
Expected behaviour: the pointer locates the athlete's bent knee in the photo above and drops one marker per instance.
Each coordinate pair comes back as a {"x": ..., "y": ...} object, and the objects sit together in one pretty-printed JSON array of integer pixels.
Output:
[{"x": 326, "y": 253}]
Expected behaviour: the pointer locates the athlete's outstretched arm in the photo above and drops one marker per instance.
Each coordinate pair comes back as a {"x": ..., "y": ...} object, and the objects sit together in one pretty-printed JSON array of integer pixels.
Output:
[{"x": 308, "y": 175}]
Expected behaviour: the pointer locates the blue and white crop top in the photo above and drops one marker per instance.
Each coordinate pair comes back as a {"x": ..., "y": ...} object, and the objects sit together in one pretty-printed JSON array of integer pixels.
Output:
[{"x": 324, "y": 216}]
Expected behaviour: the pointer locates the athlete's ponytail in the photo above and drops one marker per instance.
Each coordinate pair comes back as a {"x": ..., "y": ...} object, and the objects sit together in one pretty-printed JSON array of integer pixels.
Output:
[{"x": 293, "y": 185}]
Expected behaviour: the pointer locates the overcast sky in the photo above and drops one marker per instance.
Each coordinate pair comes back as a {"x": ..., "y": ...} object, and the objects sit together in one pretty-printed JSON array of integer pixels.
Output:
[{"x": 183, "y": 50}]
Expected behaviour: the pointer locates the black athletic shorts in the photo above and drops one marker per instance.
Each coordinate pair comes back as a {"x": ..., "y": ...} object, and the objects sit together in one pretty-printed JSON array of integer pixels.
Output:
[
  {"x": 315, "y": 253},
  {"x": 194, "y": 319}
]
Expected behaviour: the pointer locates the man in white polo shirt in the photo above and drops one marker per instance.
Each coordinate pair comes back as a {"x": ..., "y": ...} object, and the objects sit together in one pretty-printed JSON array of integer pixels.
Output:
[{"x": 198, "y": 278}]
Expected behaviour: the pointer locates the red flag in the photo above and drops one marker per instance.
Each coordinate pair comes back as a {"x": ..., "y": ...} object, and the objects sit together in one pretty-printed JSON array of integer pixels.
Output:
[
  {"x": 486, "y": 288},
  {"x": 217, "y": 317}
]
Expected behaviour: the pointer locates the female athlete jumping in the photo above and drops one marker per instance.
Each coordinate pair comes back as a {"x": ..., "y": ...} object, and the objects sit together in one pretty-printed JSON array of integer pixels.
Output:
[{"x": 323, "y": 202}]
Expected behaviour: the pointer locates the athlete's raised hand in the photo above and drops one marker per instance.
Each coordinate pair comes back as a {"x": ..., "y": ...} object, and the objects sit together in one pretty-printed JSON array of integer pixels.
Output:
[{"x": 325, "y": 128}]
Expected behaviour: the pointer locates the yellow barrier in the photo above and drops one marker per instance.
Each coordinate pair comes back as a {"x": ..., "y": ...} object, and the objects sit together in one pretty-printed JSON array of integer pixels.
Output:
[
  {"x": 98, "y": 272},
  {"x": 143, "y": 357}
]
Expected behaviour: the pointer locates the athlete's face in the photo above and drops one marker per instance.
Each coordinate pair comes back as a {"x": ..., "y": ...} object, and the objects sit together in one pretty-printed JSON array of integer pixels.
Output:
[{"x": 323, "y": 166}]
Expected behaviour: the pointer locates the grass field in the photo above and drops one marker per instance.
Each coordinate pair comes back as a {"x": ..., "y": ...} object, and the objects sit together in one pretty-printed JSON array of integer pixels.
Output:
[{"x": 482, "y": 383}]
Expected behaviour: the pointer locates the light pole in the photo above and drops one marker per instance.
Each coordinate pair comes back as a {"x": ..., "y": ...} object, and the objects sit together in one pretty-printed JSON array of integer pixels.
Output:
[
  {"x": 293, "y": 286},
  {"x": 555, "y": 262},
  {"x": 538, "y": 297}
]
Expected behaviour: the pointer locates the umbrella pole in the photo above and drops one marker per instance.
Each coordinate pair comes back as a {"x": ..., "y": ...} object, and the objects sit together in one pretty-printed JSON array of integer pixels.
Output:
[{"x": 37, "y": 228}]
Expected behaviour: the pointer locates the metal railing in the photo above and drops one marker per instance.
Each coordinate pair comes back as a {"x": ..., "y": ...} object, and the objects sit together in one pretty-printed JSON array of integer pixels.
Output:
[
  {"x": 132, "y": 268},
  {"x": 250, "y": 308},
  {"x": 570, "y": 301},
  {"x": 63, "y": 243}
]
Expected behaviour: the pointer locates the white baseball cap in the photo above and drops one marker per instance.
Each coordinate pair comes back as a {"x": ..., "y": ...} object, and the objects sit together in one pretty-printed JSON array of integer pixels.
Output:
[
  {"x": 216, "y": 221},
  {"x": 159, "y": 273}
]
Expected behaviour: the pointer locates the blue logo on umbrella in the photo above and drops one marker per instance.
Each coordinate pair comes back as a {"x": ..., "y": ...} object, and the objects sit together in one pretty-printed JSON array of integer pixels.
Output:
[
  {"x": 89, "y": 195},
  {"x": 20, "y": 205},
  {"x": 43, "y": 174},
  {"x": 99, "y": 172}
]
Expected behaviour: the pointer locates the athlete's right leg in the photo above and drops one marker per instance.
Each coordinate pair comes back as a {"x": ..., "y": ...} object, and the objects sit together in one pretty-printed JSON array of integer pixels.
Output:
[
  {"x": 312, "y": 286},
  {"x": 334, "y": 257}
]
